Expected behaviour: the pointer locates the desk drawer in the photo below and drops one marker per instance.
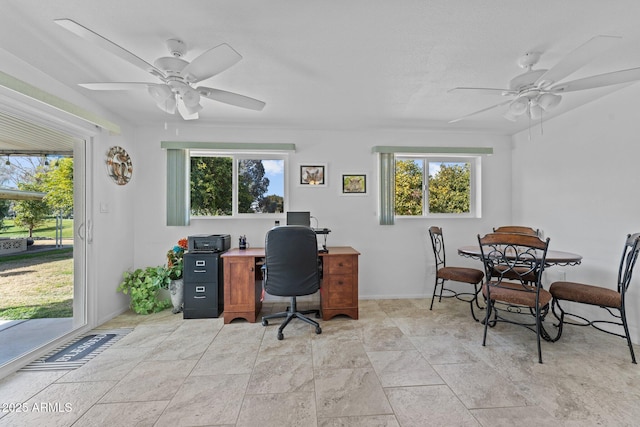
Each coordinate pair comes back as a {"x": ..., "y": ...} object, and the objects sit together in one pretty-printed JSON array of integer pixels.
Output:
[
  {"x": 338, "y": 291},
  {"x": 338, "y": 265}
]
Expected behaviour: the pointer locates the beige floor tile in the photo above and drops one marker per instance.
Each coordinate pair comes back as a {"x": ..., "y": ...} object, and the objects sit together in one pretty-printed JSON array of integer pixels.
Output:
[
  {"x": 399, "y": 364},
  {"x": 282, "y": 374},
  {"x": 428, "y": 406},
  {"x": 443, "y": 349},
  {"x": 20, "y": 386},
  {"x": 339, "y": 354},
  {"x": 151, "y": 380},
  {"x": 478, "y": 385},
  {"x": 377, "y": 338},
  {"x": 528, "y": 416},
  {"x": 58, "y": 404},
  {"x": 403, "y": 368},
  {"x": 278, "y": 410},
  {"x": 113, "y": 364},
  {"x": 206, "y": 400},
  {"x": 363, "y": 421},
  {"x": 346, "y": 392},
  {"x": 139, "y": 414},
  {"x": 224, "y": 358}
]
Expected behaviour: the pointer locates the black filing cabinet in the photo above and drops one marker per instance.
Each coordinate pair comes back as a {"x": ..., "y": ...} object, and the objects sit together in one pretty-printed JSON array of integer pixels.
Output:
[{"x": 203, "y": 287}]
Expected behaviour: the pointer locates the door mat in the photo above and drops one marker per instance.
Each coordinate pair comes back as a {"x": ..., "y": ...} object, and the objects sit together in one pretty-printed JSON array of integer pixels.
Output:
[{"x": 79, "y": 351}]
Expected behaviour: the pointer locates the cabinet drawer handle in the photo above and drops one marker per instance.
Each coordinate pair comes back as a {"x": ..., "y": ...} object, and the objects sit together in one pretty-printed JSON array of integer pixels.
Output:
[
  {"x": 199, "y": 271},
  {"x": 340, "y": 282},
  {"x": 199, "y": 297},
  {"x": 252, "y": 269},
  {"x": 341, "y": 264}
]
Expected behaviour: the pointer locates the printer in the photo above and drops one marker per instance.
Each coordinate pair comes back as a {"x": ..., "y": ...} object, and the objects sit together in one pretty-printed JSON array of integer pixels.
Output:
[{"x": 209, "y": 243}]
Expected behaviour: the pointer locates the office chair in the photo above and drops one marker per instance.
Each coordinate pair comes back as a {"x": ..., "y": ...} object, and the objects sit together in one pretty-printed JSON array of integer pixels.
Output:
[
  {"x": 471, "y": 276},
  {"x": 291, "y": 269},
  {"x": 511, "y": 262},
  {"x": 606, "y": 298}
]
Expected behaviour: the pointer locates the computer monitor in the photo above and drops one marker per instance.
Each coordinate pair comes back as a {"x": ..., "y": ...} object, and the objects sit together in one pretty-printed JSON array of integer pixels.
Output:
[{"x": 299, "y": 218}]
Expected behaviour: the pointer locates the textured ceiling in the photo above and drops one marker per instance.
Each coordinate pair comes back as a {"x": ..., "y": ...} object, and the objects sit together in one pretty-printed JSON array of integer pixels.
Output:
[{"x": 329, "y": 64}]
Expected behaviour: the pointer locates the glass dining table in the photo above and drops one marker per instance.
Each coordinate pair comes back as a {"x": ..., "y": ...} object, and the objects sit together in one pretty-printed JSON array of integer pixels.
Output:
[{"x": 553, "y": 257}]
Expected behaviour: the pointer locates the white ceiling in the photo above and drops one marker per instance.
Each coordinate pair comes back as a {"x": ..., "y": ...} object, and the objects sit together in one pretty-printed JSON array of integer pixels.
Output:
[{"x": 330, "y": 64}]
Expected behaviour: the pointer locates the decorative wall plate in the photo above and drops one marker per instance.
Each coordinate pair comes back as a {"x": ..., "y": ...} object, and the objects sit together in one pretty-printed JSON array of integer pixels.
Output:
[{"x": 119, "y": 166}]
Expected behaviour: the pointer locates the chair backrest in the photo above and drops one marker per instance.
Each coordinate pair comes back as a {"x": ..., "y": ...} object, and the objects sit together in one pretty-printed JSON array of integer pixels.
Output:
[
  {"x": 516, "y": 229},
  {"x": 628, "y": 261},
  {"x": 514, "y": 258},
  {"x": 437, "y": 242},
  {"x": 291, "y": 261}
]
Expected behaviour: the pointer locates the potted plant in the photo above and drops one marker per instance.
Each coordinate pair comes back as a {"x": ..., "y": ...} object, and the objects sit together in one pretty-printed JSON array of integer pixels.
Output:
[
  {"x": 142, "y": 285},
  {"x": 175, "y": 270}
]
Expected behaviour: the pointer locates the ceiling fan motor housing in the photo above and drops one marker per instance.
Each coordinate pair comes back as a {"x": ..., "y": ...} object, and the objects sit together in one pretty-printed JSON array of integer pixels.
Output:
[{"x": 176, "y": 47}]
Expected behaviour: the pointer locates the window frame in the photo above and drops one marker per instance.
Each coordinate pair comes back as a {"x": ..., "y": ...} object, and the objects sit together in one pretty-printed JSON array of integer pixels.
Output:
[
  {"x": 475, "y": 201},
  {"x": 236, "y": 156}
]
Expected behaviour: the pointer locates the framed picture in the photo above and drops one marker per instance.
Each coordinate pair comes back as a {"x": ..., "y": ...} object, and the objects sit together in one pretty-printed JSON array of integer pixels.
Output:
[
  {"x": 354, "y": 184},
  {"x": 313, "y": 175}
]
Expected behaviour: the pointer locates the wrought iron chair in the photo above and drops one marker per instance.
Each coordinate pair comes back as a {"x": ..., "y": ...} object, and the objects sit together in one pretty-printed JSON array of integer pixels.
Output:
[
  {"x": 291, "y": 269},
  {"x": 471, "y": 276},
  {"x": 517, "y": 229},
  {"x": 513, "y": 291},
  {"x": 606, "y": 298}
]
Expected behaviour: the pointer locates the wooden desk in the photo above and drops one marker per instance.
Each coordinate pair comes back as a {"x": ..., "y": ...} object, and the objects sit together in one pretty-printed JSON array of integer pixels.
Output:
[{"x": 243, "y": 283}]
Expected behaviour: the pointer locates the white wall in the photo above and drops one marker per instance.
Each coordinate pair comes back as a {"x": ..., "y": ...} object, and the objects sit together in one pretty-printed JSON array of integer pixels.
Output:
[
  {"x": 579, "y": 183},
  {"x": 396, "y": 261}
]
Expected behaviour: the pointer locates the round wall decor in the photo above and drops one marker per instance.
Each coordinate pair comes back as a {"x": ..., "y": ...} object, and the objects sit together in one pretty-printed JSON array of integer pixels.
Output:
[{"x": 119, "y": 166}]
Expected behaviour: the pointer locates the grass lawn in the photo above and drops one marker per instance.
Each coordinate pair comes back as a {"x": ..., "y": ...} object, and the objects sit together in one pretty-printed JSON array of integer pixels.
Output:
[
  {"x": 46, "y": 230},
  {"x": 36, "y": 285}
]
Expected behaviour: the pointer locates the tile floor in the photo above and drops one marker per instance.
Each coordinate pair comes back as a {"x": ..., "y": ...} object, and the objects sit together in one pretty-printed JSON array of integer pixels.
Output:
[{"x": 398, "y": 365}]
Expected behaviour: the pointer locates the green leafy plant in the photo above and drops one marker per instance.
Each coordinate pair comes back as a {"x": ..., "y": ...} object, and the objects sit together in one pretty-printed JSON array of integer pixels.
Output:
[{"x": 142, "y": 286}]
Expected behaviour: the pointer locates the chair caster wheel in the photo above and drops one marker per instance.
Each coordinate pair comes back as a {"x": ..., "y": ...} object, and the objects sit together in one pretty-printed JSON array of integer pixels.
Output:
[
  {"x": 280, "y": 336},
  {"x": 265, "y": 322},
  {"x": 318, "y": 330},
  {"x": 318, "y": 316}
]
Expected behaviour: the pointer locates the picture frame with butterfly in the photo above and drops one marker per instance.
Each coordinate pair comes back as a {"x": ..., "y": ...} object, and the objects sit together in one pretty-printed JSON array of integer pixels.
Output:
[{"x": 313, "y": 175}]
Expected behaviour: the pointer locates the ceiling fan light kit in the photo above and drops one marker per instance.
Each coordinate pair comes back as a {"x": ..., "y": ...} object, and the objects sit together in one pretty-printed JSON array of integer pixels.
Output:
[
  {"x": 175, "y": 92},
  {"x": 538, "y": 91}
]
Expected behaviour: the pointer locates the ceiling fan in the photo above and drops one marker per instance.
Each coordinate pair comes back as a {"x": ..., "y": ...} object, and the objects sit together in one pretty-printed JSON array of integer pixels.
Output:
[
  {"x": 537, "y": 91},
  {"x": 176, "y": 90}
]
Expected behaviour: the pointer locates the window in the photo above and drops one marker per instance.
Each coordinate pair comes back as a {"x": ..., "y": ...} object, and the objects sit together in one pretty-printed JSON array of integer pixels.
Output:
[
  {"x": 232, "y": 184},
  {"x": 420, "y": 167},
  {"x": 427, "y": 186}
]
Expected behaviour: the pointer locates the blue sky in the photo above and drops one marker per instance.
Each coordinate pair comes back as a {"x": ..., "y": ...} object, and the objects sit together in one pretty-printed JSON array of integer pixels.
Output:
[{"x": 274, "y": 170}]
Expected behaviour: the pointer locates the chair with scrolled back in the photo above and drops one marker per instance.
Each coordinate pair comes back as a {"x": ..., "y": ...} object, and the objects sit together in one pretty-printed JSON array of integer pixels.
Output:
[
  {"x": 600, "y": 296},
  {"x": 471, "y": 276},
  {"x": 517, "y": 229},
  {"x": 513, "y": 290}
]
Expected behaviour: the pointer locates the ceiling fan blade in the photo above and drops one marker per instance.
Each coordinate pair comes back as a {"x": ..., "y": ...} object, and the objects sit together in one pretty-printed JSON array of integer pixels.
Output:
[
  {"x": 210, "y": 63},
  {"x": 480, "y": 111},
  {"x": 576, "y": 59},
  {"x": 231, "y": 98},
  {"x": 116, "y": 86},
  {"x": 107, "y": 44},
  {"x": 484, "y": 90},
  {"x": 600, "y": 80}
]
